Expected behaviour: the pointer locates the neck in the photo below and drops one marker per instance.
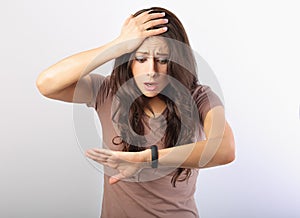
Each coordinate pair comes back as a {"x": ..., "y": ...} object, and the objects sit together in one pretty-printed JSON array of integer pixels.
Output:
[{"x": 157, "y": 105}]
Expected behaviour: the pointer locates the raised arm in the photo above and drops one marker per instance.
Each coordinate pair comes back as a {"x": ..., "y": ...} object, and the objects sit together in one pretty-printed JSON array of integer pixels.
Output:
[{"x": 59, "y": 80}]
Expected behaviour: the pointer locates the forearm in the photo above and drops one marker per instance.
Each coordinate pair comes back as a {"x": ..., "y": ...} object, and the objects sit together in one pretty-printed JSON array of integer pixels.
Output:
[
  {"x": 69, "y": 70},
  {"x": 202, "y": 154}
]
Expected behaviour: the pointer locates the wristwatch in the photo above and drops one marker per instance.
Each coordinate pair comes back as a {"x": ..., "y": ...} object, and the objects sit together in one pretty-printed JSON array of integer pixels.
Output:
[{"x": 154, "y": 156}]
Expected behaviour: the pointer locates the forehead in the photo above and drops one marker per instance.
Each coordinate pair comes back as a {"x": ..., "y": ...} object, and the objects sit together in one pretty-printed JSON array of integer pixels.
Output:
[{"x": 153, "y": 45}]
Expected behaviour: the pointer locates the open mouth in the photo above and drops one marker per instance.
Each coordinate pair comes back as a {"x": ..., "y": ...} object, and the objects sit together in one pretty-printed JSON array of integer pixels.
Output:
[{"x": 150, "y": 86}]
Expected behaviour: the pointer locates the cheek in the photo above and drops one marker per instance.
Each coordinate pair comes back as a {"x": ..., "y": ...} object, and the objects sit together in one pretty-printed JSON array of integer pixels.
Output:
[
  {"x": 139, "y": 72},
  {"x": 138, "y": 75},
  {"x": 138, "y": 78},
  {"x": 136, "y": 69}
]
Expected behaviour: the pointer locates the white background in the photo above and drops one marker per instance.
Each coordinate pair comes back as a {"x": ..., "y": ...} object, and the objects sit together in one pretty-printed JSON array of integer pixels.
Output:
[{"x": 253, "y": 48}]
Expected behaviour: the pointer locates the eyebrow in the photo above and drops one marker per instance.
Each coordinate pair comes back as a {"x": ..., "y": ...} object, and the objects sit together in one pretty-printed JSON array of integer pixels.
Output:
[{"x": 159, "y": 53}]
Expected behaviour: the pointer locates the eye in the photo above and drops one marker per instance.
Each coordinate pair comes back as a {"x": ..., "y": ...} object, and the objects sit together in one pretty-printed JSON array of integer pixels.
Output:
[
  {"x": 162, "y": 60},
  {"x": 140, "y": 59}
]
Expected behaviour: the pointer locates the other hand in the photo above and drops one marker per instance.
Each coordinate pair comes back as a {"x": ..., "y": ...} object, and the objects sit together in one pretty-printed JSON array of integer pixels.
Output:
[{"x": 127, "y": 163}]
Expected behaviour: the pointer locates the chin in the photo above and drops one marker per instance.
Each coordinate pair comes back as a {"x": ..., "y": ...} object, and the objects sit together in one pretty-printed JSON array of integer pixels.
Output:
[{"x": 150, "y": 95}]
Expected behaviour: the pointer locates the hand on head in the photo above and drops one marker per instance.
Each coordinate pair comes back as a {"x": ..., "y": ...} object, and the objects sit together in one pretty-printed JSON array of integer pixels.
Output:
[{"x": 136, "y": 29}]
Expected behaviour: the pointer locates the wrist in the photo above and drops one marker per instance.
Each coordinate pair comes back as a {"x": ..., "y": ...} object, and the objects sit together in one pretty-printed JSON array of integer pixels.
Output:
[
  {"x": 146, "y": 158},
  {"x": 121, "y": 46},
  {"x": 111, "y": 50}
]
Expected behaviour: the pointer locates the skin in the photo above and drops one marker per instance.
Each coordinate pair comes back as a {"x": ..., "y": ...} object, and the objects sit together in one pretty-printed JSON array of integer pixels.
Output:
[
  {"x": 60, "y": 80},
  {"x": 217, "y": 149},
  {"x": 149, "y": 66}
]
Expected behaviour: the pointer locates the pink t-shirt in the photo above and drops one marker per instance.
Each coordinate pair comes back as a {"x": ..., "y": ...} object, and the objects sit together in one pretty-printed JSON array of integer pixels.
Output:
[{"x": 153, "y": 195}]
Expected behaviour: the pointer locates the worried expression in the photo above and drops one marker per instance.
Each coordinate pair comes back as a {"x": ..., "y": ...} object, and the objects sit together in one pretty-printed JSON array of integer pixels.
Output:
[{"x": 149, "y": 66}]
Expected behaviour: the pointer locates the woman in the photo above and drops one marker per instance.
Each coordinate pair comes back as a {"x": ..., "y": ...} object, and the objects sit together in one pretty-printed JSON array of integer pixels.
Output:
[{"x": 160, "y": 126}]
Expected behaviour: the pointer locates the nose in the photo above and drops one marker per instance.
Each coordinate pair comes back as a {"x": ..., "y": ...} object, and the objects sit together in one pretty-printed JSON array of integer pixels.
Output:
[{"x": 152, "y": 67}]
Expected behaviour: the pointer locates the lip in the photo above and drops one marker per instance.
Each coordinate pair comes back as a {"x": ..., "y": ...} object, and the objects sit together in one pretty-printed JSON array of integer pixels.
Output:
[{"x": 150, "y": 86}]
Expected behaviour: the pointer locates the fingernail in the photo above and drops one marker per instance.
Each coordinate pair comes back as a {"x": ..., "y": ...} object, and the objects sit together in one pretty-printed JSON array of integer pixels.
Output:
[
  {"x": 166, "y": 20},
  {"x": 165, "y": 28},
  {"x": 163, "y": 13}
]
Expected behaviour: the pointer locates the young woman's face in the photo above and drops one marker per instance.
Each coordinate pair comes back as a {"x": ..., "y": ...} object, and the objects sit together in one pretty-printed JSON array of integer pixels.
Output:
[{"x": 149, "y": 66}]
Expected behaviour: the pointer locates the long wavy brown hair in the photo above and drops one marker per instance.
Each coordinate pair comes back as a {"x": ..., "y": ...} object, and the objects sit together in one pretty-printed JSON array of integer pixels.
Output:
[{"x": 182, "y": 67}]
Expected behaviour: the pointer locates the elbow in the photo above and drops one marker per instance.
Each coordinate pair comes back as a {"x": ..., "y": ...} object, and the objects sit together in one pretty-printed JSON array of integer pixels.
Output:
[
  {"x": 224, "y": 154},
  {"x": 40, "y": 85},
  {"x": 228, "y": 154},
  {"x": 43, "y": 84},
  {"x": 230, "y": 157}
]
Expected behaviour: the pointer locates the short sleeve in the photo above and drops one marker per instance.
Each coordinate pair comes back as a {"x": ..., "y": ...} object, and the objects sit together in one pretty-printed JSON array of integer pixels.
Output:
[
  {"x": 100, "y": 90},
  {"x": 205, "y": 100}
]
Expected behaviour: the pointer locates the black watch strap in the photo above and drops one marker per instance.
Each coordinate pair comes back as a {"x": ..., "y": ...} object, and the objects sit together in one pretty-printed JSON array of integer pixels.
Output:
[{"x": 154, "y": 156}]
